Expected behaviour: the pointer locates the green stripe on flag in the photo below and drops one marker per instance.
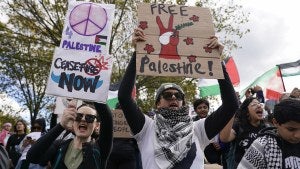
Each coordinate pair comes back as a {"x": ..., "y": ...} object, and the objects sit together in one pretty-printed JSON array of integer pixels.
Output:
[
  {"x": 209, "y": 90},
  {"x": 112, "y": 102},
  {"x": 112, "y": 99}
]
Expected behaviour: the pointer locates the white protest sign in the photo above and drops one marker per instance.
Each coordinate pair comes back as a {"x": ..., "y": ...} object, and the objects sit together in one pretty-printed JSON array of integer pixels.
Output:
[
  {"x": 88, "y": 27},
  {"x": 79, "y": 74},
  {"x": 81, "y": 66}
]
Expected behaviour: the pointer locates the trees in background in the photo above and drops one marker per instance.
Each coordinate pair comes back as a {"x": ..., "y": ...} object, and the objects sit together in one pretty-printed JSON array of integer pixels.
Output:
[{"x": 34, "y": 28}]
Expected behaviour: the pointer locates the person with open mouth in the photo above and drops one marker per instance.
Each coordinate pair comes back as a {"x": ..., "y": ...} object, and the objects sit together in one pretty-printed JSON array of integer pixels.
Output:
[
  {"x": 249, "y": 120},
  {"x": 79, "y": 152},
  {"x": 172, "y": 139}
]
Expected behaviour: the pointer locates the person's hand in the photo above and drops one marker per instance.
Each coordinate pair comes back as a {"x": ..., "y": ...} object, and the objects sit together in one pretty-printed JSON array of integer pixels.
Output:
[
  {"x": 26, "y": 142},
  {"x": 217, "y": 146},
  {"x": 248, "y": 93},
  {"x": 68, "y": 117},
  {"x": 215, "y": 44},
  {"x": 138, "y": 35}
]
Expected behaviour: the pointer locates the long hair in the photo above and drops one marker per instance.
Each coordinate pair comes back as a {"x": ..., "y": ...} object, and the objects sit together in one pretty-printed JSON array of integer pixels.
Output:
[
  {"x": 24, "y": 124},
  {"x": 242, "y": 115}
]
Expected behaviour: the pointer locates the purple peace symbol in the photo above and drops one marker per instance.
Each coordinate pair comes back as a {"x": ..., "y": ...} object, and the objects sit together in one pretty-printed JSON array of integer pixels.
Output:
[{"x": 88, "y": 19}]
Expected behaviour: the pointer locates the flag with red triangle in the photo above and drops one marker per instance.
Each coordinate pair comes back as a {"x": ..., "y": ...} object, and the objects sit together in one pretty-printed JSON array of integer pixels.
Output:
[{"x": 271, "y": 82}]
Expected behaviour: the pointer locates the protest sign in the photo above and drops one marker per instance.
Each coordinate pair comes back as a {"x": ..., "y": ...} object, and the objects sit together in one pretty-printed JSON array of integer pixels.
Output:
[
  {"x": 81, "y": 66},
  {"x": 79, "y": 74},
  {"x": 88, "y": 27},
  {"x": 121, "y": 129},
  {"x": 176, "y": 45}
]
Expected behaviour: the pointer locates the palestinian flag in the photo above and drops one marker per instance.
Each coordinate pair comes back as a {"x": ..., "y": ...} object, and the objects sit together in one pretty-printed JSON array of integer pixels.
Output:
[
  {"x": 112, "y": 99},
  {"x": 271, "y": 82},
  {"x": 290, "y": 69},
  {"x": 100, "y": 39},
  {"x": 210, "y": 87}
]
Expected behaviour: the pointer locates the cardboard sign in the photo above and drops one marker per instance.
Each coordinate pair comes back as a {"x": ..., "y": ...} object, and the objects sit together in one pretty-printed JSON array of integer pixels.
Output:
[
  {"x": 81, "y": 66},
  {"x": 120, "y": 126},
  {"x": 88, "y": 27},
  {"x": 177, "y": 38}
]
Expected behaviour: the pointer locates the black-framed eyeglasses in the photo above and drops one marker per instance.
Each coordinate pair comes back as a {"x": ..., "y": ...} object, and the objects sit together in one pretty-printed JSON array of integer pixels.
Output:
[
  {"x": 169, "y": 95},
  {"x": 89, "y": 118}
]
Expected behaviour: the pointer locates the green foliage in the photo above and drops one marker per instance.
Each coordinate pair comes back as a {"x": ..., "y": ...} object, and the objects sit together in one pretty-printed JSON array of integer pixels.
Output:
[
  {"x": 228, "y": 17},
  {"x": 6, "y": 118}
]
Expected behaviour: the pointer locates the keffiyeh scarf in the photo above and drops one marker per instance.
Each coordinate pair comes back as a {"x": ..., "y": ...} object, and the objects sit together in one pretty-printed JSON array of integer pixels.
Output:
[{"x": 174, "y": 136}]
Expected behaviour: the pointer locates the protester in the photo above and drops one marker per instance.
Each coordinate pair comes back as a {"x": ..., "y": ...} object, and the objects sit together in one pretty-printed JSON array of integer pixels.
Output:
[
  {"x": 216, "y": 150},
  {"x": 14, "y": 140},
  {"x": 201, "y": 108},
  {"x": 80, "y": 152},
  {"x": 295, "y": 93},
  {"x": 124, "y": 153},
  {"x": 172, "y": 139},
  {"x": 4, "y": 158},
  {"x": 5, "y": 133},
  {"x": 279, "y": 146},
  {"x": 37, "y": 130},
  {"x": 248, "y": 122}
]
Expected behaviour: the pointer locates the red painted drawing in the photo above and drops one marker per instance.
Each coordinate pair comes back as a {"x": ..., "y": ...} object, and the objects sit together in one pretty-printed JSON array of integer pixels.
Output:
[
  {"x": 188, "y": 41},
  {"x": 194, "y": 18},
  {"x": 143, "y": 25},
  {"x": 149, "y": 48},
  {"x": 169, "y": 39},
  {"x": 207, "y": 49}
]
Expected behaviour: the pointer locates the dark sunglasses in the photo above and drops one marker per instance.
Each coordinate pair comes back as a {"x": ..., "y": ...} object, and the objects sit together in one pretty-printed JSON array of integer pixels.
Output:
[
  {"x": 169, "y": 96},
  {"x": 89, "y": 118}
]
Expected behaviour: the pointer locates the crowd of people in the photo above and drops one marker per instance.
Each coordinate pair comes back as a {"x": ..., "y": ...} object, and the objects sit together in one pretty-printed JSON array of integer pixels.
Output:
[{"x": 236, "y": 135}]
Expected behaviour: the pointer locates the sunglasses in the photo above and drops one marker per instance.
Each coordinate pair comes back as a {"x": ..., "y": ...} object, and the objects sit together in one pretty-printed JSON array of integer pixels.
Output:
[
  {"x": 89, "y": 118},
  {"x": 169, "y": 96},
  {"x": 36, "y": 128}
]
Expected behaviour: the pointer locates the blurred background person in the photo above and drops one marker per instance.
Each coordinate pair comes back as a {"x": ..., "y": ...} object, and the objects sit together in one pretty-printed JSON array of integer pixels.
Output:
[
  {"x": 37, "y": 130},
  {"x": 5, "y": 133},
  {"x": 14, "y": 140}
]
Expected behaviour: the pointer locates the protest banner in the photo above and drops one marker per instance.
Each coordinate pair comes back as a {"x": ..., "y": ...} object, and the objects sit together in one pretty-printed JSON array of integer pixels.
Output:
[
  {"x": 88, "y": 27},
  {"x": 120, "y": 127},
  {"x": 79, "y": 74},
  {"x": 176, "y": 45},
  {"x": 81, "y": 66}
]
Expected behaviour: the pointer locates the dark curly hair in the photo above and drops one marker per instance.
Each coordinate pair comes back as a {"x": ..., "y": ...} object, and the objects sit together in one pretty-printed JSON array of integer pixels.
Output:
[
  {"x": 242, "y": 115},
  {"x": 287, "y": 110},
  {"x": 200, "y": 101}
]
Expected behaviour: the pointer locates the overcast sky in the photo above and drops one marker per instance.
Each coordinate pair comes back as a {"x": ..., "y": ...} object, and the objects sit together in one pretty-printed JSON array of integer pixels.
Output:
[{"x": 274, "y": 39}]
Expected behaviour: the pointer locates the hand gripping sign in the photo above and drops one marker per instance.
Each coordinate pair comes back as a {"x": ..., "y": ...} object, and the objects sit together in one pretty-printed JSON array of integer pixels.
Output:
[{"x": 176, "y": 45}]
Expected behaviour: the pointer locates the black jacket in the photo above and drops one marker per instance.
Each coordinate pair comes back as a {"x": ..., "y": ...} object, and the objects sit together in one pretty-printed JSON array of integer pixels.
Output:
[{"x": 95, "y": 155}]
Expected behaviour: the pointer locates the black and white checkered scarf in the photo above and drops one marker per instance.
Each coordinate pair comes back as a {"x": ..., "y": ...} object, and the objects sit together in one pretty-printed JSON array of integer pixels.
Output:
[{"x": 174, "y": 136}]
